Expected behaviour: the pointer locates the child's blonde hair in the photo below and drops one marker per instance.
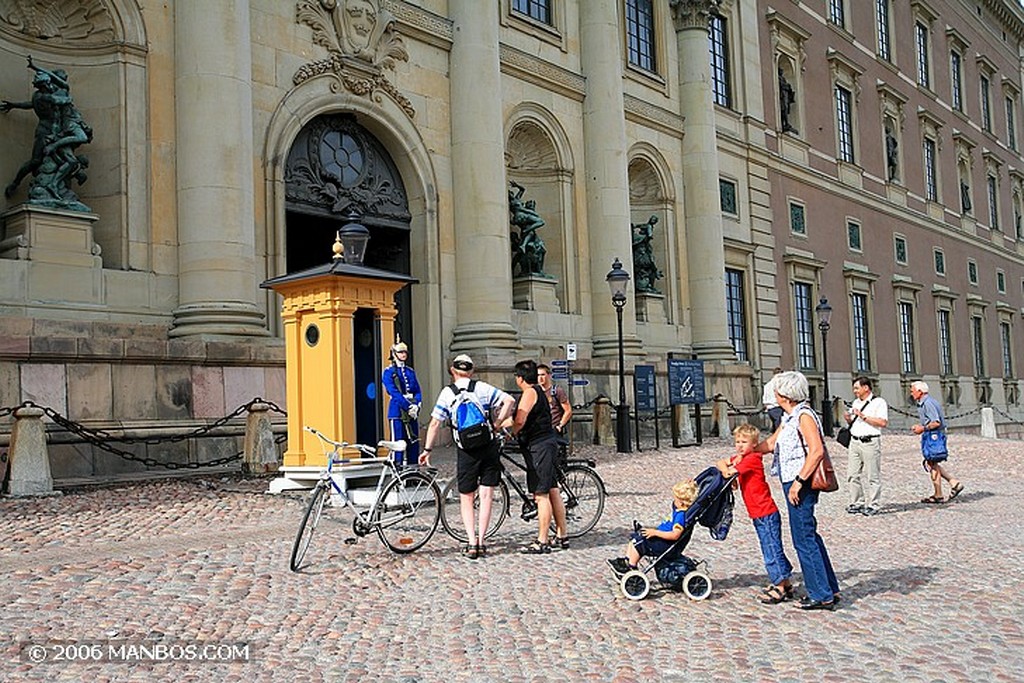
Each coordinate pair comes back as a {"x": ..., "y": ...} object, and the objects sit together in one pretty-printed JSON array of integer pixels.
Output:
[
  {"x": 747, "y": 429},
  {"x": 686, "y": 491}
]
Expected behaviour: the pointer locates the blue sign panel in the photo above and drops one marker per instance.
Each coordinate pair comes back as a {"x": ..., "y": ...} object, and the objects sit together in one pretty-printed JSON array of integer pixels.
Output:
[
  {"x": 643, "y": 378},
  {"x": 685, "y": 381},
  {"x": 559, "y": 363},
  {"x": 559, "y": 374},
  {"x": 580, "y": 382}
]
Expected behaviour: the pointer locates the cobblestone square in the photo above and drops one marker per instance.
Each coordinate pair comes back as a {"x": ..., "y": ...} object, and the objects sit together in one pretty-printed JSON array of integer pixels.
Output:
[{"x": 930, "y": 593}]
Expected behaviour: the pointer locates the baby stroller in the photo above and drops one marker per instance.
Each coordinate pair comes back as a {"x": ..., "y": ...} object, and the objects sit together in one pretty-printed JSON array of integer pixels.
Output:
[{"x": 673, "y": 570}]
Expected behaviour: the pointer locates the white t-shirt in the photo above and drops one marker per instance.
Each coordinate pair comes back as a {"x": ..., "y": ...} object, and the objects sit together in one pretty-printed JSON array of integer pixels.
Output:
[
  {"x": 768, "y": 395},
  {"x": 877, "y": 408},
  {"x": 490, "y": 398}
]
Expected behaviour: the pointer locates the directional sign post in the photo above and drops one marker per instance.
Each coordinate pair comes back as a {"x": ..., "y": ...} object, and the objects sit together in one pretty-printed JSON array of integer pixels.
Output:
[{"x": 645, "y": 396}]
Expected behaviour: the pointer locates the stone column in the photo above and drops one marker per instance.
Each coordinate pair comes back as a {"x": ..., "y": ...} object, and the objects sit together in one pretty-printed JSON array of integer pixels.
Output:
[
  {"x": 607, "y": 179},
  {"x": 705, "y": 255},
  {"x": 483, "y": 259},
  {"x": 214, "y": 140}
]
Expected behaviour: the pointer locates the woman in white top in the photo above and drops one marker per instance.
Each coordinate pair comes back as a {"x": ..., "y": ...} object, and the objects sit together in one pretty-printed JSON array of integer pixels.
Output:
[{"x": 799, "y": 447}]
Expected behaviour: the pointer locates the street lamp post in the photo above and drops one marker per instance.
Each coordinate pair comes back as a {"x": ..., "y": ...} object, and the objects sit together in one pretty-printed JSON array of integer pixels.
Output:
[
  {"x": 617, "y": 281},
  {"x": 824, "y": 311}
]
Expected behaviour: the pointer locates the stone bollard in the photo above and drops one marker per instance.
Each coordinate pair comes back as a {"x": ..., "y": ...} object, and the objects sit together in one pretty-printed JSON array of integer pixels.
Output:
[
  {"x": 683, "y": 421},
  {"x": 260, "y": 451},
  {"x": 30, "y": 460},
  {"x": 604, "y": 434},
  {"x": 988, "y": 423},
  {"x": 720, "y": 416}
]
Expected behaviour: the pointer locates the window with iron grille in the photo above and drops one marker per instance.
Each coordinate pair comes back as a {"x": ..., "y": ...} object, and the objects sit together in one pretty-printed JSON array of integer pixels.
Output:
[
  {"x": 1011, "y": 124},
  {"x": 908, "y": 363},
  {"x": 882, "y": 27},
  {"x": 640, "y": 34},
  {"x": 921, "y": 43},
  {"x": 945, "y": 344},
  {"x": 978, "y": 341},
  {"x": 972, "y": 272},
  {"x": 718, "y": 43},
  {"x": 931, "y": 183},
  {"x": 1004, "y": 337},
  {"x": 844, "y": 123},
  {"x": 1001, "y": 282},
  {"x": 993, "y": 202},
  {"x": 956, "y": 75},
  {"x": 837, "y": 13},
  {"x": 803, "y": 313},
  {"x": 899, "y": 244},
  {"x": 861, "y": 343},
  {"x": 986, "y": 104},
  {"x": 797, "y": 220},
  {"x": 727, "y": 196},
  {"x": 736, "y": 312},
  {"x": 535, "y": 9}
]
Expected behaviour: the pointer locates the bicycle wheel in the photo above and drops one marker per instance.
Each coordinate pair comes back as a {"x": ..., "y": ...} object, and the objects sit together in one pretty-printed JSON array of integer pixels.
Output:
[
  {"x": 583, "y": 494},
  {"x": 451, "y": 510},
  {"x": 408, "y": 512},
  {"x": 310, "y": 520}
]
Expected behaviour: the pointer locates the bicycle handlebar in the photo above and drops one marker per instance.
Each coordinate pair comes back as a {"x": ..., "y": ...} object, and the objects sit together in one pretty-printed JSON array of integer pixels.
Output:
[{"x": 365, "y": 449}]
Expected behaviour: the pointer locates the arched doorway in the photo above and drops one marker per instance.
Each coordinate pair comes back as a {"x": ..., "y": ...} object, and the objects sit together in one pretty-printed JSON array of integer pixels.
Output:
[{"x": 336, "y": 168}]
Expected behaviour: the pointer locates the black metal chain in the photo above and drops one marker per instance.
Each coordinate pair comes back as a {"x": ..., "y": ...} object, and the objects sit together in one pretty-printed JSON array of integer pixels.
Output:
[
  {"x": 1007, "y": 416},
  {"x": 100, "y": 437},
  {"x": 719, "y": 398}
]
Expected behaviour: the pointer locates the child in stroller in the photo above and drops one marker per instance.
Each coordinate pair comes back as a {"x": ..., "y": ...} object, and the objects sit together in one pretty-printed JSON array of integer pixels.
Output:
[{"x": 706, "y": 499}]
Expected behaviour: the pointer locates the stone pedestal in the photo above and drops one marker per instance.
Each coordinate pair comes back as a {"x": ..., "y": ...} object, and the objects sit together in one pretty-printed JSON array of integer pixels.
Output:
[
  {"x": 30, "y": 461},
  {"x": 533, "y": 293},
  {"x": 897, "y": 194},
  {"x": 968, "y": 224},
  {"x": 650, "y": 307},
  {"x": 43, "y": 235},
  {"x": 988, "y": 423}
]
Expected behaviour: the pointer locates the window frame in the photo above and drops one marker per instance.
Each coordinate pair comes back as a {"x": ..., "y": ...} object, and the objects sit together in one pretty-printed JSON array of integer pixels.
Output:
[
  {"x": 837, "y": 13},
  {"x": 972, "y": 272},
  {"x": 850, "y": 223},
  {"x": 922, "y": 53},
  {"x": 803, "y": 218},
  {"x": 544, "y": 5},
  {"x": 736, "y": 320},
  {"x": 985, "y": 101},
  {"x": 1011, "y": 122},
  {"x": 1000, "y": 281},
  {"x": 897, "y": 239},
  {"x": 1006, "y": 344},
  {"x": 944, "y": 326},
  {"x": 721, "y": 77},
  {"x": 860, "y": 331},
  {"x": 978, "y": 345},
  {"x": 883, "y": 29},
  {"x": 956, "y": 80},
  {"x": 845, "y": 143},
  {"x": 633, "y": 15},
  {"x": 803, "y": 321},
  {"x": 939, "y": 261},
  {"x": 931, "y": 168},
  {"x": 992, "y": 191},
  {"x": 905, "y": 317},
  {"x": 735, "y": 197}
]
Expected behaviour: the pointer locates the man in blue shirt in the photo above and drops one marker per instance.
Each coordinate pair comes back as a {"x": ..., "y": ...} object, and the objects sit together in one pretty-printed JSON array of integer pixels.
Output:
[{"x": 933, "y": 424}]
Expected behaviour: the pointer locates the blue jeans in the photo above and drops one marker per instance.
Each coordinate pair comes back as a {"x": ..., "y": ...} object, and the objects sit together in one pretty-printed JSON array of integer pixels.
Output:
[
  {"x": 819, "y": 578},
  {"x": 769, "y": 533}
]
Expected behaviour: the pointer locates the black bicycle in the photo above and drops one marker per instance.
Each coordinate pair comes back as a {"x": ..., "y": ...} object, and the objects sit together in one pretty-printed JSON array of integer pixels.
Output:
[{"x": 581, "y": 487}]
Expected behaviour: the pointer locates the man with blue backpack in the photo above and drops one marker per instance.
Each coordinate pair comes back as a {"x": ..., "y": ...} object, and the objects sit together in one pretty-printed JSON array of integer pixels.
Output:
[{"x": 473, "y": 409}]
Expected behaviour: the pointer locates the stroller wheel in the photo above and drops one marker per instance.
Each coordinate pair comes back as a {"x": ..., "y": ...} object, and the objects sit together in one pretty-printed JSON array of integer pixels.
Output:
[
  {"x": 697, "y": 585},
  {"x": 635, "y": 585}
]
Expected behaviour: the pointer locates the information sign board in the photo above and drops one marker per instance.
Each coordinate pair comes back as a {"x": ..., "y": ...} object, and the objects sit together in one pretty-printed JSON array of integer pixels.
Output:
[{"x": 685, "y": 381}]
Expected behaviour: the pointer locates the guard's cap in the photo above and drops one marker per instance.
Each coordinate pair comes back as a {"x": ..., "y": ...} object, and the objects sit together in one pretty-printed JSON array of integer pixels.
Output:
[{"x": 463, "y": 362}]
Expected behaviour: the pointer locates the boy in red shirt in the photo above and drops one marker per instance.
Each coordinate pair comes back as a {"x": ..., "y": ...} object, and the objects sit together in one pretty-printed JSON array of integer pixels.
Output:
[{"x": 763, "y": 512}]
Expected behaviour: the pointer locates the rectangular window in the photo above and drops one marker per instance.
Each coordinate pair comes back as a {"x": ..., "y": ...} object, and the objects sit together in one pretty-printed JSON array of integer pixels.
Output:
[
  {"x": 1001, "y": 282},
  {"x": 908, "y": 364},
  {"x": 727, "y": 196},
  {"x": 803, "y": 313},
  {"x": 986, "y": 104},
  {"x": 853, "y": 236},
  {"x": 718, "y": 43},
  {"x": 945, "y": 344},
  {"x": 844, "y": 123},
  {"x": 921, "y": 43},
  {"x": 1004, "y": 338},
  {"x": 837, "y": 13},
  {"x": 931, "y": 182},
  {"x": 993, "y": 203},
  {"x": 861, "y": 348},
  {"x": 972, "y": 272},
  {"x": 797, "y": 222},
  {"x": 1011, "y": 124},
  {"x": 899, "y": 243},
  {"x": 882, "y": 27},
  {"x": 956, "y": 75},
  {"x": 940, "y": 262},
  {"x": 736, "y": 312},
  {"x": 978, "y": 342},
  {"x": 535, "y": 9},
  {"x": 640, "y": 33}
]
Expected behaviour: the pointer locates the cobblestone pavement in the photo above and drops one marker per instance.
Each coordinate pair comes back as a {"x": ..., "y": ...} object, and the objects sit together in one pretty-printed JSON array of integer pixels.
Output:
[{"x": 930, "y": 593}]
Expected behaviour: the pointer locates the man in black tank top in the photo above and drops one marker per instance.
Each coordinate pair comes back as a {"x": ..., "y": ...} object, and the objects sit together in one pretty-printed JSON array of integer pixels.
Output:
[{"x": 539, "y": 442}]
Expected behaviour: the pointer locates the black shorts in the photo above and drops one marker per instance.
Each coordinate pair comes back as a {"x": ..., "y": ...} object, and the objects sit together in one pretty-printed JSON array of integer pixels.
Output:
[
  {"x": 542, "y": 465},
  {"x": 479, "y": 468}
]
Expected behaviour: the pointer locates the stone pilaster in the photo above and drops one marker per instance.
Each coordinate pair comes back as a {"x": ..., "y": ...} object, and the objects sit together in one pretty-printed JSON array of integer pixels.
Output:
[
  {"x": 214, "y": 140},
  {"x": 483, "y": 271},
  {"x": 705, "y": 255},
  {"x": 607, "y": 180}
]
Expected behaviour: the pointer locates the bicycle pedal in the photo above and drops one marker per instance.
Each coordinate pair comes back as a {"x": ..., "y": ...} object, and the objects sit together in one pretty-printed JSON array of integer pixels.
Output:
[{"x": 529, "y": 515}]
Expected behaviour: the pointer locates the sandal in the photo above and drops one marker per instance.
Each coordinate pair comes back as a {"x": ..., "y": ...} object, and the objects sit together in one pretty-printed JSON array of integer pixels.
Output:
[
  {"x": 481, "y": 550},
  {"x": 471, "y": 551},
  {"x": 536, "y": 548},
  {"x": 955, "y": 491},
  {"x": 775, "y": 595},
  {"x": 560, "y": 543},
  {"x": 932, "y": 500}
]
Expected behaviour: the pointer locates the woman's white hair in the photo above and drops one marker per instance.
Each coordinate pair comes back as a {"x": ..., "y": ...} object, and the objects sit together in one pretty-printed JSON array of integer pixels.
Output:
[{"x": 791, "y": 385}]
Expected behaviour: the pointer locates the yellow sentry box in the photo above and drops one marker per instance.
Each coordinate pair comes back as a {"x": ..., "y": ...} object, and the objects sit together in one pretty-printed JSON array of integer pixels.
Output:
[{"x": 319, "y": 311}]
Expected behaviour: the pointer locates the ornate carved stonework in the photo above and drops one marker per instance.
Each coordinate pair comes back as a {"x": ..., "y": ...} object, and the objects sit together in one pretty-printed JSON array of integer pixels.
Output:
[
  {"x": 335, "y": 166},
  {"x": 688, "y": 14},
  {"x": 362, "y": 41},
  {"x": 69, "y": 21}
]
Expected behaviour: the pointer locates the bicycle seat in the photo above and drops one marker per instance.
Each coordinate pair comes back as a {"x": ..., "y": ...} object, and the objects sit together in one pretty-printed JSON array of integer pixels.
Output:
[{"x": 399, "y": 445}]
